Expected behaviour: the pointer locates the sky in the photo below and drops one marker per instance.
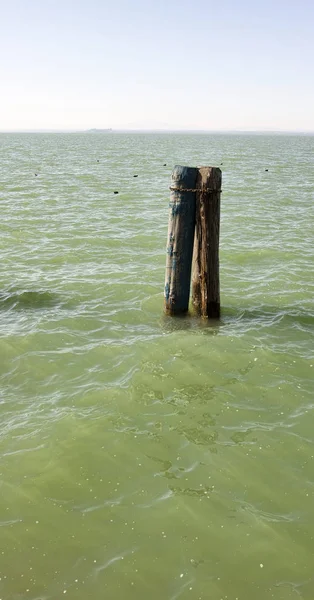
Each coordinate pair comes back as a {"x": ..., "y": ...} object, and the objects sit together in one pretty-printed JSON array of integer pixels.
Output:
[{"x": 163, "y": 64}]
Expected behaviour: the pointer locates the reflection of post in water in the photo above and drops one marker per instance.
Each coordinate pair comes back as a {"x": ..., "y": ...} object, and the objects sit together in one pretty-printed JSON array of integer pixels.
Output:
[
  {"x": 188, "y": 322},
  {"x": 194, "y": 220}
]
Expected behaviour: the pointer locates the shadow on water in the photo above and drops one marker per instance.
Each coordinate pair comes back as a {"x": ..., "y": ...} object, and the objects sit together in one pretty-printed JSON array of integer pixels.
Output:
[
  {"x": 189, "y": 322},
  {"x": 28, "y": 300}
]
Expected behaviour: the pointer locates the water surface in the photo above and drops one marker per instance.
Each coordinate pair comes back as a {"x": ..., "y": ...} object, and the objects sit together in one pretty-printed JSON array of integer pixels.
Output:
[{"x": 144, "y": 456}]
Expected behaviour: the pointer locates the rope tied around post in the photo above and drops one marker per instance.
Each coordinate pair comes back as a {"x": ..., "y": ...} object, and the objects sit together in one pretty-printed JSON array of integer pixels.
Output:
[{"x": 194, "y": 190}]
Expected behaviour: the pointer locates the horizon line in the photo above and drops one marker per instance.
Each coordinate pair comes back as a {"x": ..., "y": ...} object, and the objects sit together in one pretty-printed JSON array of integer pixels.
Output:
[{"x": 156, "y": 130}]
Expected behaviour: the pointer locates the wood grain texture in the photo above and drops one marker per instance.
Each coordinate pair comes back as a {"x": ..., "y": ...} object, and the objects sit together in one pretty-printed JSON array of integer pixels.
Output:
[
  {"x": 180, "y": 240},
  {"x": 205, "y": 276}
]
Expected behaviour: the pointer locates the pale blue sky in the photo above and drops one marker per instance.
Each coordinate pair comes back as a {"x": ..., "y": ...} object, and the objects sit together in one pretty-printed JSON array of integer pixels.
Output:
[{"x": 78, "y": 64}]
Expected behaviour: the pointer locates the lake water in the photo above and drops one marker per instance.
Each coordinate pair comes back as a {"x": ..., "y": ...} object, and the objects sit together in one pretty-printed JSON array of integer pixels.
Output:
[{"x": 144, "y": 456}]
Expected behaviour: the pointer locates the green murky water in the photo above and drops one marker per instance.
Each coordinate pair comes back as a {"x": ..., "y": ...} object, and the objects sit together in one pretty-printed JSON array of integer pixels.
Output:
[{"x": 143, "y": 456}]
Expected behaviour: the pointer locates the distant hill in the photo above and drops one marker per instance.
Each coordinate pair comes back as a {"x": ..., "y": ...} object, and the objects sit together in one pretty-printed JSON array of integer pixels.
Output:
[{"x": 98, "y": 131}]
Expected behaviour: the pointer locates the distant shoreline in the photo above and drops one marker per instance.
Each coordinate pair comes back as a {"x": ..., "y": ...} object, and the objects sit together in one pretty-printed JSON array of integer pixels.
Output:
[{"x": 97, "y": 131}]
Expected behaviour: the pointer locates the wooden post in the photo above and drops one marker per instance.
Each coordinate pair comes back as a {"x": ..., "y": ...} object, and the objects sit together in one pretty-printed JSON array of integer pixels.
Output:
[
  {"x": 205, "y": 277},
  {"x": 180, "y": 239}
]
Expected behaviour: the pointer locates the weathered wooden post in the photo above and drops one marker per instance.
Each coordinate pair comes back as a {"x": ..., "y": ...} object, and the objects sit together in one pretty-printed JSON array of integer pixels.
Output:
[
  {"x": 205, "y": 277},
  {"x": 180, "y": 239}
]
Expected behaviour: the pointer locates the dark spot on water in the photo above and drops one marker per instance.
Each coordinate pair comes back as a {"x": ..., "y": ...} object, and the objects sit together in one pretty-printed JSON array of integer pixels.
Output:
[
  {"x": 28, "y": 300},
  {"x": 97, "y": 160},
  {"x": 201, "y": 492},
  {"x": 36, "y": 175},
  {"x": 239, "y": 436},
  {"x": 116, "y": 192},
  {"x": 135, "y": 175},
  {"x": 165, "y": 164},
  {"x": 221, "y": 163},
  {"x": 266, "y": 169}
]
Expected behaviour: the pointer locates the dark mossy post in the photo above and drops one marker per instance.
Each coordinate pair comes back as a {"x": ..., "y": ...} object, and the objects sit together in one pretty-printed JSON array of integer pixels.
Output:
[
  {"x": 205, "y": 276},
  {"x": 180, "y": 239}
]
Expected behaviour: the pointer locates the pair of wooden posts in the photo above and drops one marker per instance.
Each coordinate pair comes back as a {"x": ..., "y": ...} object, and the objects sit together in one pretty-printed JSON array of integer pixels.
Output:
[{"x": 193, "y": 239}]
